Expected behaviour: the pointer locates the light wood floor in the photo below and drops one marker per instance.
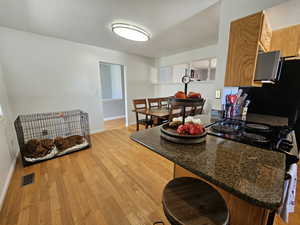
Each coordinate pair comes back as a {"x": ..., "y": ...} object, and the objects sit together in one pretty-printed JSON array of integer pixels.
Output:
[
  {"x": 115, "y": 124},
  {"x": 116, "y": 182}
]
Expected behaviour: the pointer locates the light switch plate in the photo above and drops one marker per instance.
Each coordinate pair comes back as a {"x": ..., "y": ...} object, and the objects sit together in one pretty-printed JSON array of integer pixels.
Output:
[{"x": 218, "y": 94}]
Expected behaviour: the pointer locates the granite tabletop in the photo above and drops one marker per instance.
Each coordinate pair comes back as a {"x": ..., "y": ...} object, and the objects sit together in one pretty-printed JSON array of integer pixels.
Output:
[{"x": 250, "y": 173}]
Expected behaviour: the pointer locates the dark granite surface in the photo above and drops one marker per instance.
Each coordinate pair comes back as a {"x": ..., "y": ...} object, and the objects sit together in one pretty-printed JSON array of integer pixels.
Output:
[{"x": 250, "y": 173}]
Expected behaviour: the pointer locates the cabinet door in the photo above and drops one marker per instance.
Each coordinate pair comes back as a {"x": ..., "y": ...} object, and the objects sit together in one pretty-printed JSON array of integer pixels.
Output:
[
  {"x": 287, "y": 40},
  {"x": 243, "y": 49},
  {"x": 266, "y": 34}
]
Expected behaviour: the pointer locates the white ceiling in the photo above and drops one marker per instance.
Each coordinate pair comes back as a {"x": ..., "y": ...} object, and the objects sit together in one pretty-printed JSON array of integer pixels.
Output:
[
  {"x": 175, "y": 25},
  {"x": 285, "y": 14}
]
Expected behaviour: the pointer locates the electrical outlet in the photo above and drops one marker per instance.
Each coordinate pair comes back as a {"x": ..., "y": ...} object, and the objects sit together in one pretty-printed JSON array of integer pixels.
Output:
[
  {"x": 1, "y": 111},
  {"x": 218, "y": 94}
]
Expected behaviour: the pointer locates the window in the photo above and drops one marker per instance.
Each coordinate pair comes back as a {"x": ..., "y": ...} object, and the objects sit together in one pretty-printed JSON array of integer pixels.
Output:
[
  {"x": 200, "y": 70},
  {"x": 112, "y": 81},
  {"x": 204, "y": 70}
]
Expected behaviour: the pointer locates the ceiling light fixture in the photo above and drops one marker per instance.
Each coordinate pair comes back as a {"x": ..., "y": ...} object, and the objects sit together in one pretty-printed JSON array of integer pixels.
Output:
[{"x": 130, "y": 32}]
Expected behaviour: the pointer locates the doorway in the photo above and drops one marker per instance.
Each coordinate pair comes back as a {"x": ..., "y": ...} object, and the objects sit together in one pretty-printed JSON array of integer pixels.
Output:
[{"x": 113, "y": 91}]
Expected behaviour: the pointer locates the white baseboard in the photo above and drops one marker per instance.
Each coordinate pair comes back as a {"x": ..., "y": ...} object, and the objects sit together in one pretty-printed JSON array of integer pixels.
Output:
[
  {"x": 132, "y": 123},
  {"x": 114, "y": 118},
  {"x": 7, "y": 181},
  {"x": 97, "y": 131}
]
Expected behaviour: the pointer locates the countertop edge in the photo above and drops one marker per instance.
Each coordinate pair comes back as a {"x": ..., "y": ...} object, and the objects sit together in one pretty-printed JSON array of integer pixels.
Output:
[{"x": 270, "y": 206}]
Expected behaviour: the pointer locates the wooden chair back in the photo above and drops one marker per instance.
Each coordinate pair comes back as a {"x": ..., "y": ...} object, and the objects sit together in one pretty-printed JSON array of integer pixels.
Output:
[
  {"x": 164, "y": 102},
  {"x": 175, "y": 105},
  {"x": 140, "y": 103},
  {"x": 172, "y": 113},
  {"x": 197, "y": 110},
  {"x": 154, "y": 103}
]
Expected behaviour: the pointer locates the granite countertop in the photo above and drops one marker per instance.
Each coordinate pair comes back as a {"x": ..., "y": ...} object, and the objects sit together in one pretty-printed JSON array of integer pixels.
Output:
[{"x": 250, "y": 173}]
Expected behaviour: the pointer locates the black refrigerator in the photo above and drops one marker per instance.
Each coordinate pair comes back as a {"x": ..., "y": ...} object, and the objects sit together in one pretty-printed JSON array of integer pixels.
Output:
[{"x": 280, "y": 99}]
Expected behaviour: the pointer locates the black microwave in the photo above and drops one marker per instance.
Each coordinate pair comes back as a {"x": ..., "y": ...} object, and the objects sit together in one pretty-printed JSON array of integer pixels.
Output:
[
  {"x": 281, "y": 98},
  {"x": 268, "y": 67}
]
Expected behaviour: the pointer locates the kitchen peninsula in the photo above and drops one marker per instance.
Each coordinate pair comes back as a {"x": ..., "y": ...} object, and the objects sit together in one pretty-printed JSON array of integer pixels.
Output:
[{"x": 249, "y": 178}]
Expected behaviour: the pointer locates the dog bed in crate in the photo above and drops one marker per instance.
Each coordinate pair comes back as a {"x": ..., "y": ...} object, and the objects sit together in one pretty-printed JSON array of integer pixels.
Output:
[{"x": 43, "y": 136}]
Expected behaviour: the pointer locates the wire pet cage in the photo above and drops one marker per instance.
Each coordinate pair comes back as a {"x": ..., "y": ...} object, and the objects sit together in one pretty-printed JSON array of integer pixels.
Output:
[{"x": 44, "y": 136}]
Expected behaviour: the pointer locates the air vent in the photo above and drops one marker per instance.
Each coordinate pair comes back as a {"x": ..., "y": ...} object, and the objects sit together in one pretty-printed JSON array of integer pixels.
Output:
[{"x": 28, "y": 179}]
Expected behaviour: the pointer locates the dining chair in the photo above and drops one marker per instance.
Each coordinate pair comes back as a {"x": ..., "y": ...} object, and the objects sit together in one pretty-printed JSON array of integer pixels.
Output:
[
  {"x": 174, "y": 111},
  {"x": 197, "y": 110},
  {"x": 141, "y": 104},
  {"x": 164, "y": 102},
  {"x": 154, "y": 103},
  {"x": 176, "y": 108}
]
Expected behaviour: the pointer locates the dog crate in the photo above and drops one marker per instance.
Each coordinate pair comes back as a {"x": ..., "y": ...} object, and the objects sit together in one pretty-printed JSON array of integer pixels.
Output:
[{"x": 44, "y": 136}]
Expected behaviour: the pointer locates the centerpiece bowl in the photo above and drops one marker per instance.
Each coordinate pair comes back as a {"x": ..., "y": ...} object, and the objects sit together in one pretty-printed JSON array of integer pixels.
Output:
[{"x": 171, "y": 134}]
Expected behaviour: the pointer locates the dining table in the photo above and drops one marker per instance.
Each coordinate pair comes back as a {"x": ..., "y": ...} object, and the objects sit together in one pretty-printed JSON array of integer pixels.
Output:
[{"x": 158, "y": 112}]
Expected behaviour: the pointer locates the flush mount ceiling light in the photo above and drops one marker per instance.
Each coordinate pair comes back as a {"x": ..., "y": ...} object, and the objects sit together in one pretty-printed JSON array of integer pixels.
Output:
[{"x": 130, "y": 32}]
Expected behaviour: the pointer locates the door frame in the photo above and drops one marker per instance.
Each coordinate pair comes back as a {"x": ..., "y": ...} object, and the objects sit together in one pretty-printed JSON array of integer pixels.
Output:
[{"x": 124, "y": 86}]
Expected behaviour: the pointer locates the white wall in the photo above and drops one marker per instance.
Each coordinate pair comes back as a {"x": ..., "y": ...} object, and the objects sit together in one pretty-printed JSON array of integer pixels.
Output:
[
  {"x": 207, "y": 89},
  {"x": 112, "y": 81},
  {"x": 48, "y": 74},
  {"x": 7, "y": 141},
  {"x": 284, "y": 15},
  {"x": 188, "y": 56},
  {"x": 105, "y": 80},
  {"x": 116, "y": 81},
  {"x": 113, "y": 108}
]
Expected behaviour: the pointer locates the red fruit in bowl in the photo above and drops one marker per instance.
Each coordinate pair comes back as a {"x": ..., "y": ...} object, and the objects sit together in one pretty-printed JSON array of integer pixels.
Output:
[
  {"x": 183, "y": 129},
  {"x": 189, "y": 125},
  {"x": 180, "y": 94},
  {"x": 194, "y": 95},
  {"x": 196, "y": 129},
  {"x": 193, "y": 131},
  {"x": 190, "y": 128},
  {"x": 201, "y": 128}
]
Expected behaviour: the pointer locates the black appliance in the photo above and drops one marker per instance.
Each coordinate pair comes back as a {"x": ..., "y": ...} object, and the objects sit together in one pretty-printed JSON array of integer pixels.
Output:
[
  {"x": 279, "y": 99},
  {"x": 273, "y": 138},
  {"x": 268, "y": 67}
]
